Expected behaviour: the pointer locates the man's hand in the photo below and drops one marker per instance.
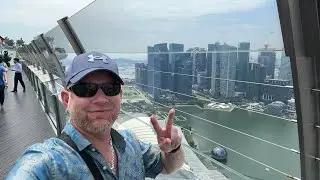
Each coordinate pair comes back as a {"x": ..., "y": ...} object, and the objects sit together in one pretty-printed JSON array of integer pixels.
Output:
[{"x": 169, "y": 138}]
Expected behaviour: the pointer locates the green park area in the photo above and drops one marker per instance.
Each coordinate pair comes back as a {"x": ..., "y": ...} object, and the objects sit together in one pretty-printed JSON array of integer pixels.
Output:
[{"x": 130, "y": 93}]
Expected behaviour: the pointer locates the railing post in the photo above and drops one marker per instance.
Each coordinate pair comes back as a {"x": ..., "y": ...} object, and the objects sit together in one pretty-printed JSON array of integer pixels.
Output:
[
  {"x": 299, "y": 21},
  {"x": 57, "y": 112},
  {"x": 45, "y": 64},
  {"x": 54, "y": 59},
  {"x": 32, "y": 56},
  {"x": 71, "y": 35},
  {"x": 45, "y": 101},
  {"x": 34, "y": 82},
  {"x": 38, "y": 88},
  {"x": 35, "y": 58}
]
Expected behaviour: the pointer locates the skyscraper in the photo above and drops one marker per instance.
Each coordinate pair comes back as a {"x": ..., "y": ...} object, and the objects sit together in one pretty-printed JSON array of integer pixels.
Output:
[
  {"x": 285, "y": 72},
  {"x": 256, "y": 74},
  {"x": 180, "y": 66},
  {"x": 137, "y": 74},
  {"x": 199, "y": 60},
  {"x": 184, "y": 77},
  {"x": 242, "y": 66},
  {"x": 224, "y": 71},
  {"x": 153, "y": 77},
  {"x": 268, "y": 58},
  {"x": 158, "y": 70},
  {"x": 141, "y": 76},
  {"x": 228, "y": 62},
  {"x": 212, "y": 48},
  {"x": 161, "y": 57},
  {"x": 202, "y": 80},
  {"x": 175, "y": 55}
]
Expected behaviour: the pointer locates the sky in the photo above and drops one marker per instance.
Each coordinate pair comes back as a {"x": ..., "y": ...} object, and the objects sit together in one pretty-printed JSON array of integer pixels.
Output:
[
  {"x": 29, "y": 18},
  {"x": 127, "y": 27}
]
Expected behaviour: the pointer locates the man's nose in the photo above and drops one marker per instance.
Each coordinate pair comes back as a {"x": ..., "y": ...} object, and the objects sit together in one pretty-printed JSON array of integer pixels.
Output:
[{"x": 101, "y": 97}]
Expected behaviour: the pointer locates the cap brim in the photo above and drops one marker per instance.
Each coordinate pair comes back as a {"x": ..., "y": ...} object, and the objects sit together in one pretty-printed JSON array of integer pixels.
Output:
[{"x": 82, "y": 74}]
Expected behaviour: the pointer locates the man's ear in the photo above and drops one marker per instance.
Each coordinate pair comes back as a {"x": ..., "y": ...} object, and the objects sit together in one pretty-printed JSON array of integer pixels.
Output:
[{"x": 65, "y": 98}]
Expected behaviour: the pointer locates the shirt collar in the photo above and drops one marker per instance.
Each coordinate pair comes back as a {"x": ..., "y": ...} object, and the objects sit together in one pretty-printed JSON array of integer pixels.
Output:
[{"x": 81, "y": 142}]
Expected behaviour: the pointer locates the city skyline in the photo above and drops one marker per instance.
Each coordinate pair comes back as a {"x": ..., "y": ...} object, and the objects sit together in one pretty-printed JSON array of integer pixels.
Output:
[
  {"x": 171, "y": 68},
  {"x": 254, "y": 54}
]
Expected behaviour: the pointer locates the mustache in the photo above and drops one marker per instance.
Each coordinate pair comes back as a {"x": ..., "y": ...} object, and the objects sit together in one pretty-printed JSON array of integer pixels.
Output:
[{"x": 109, "y": 106}]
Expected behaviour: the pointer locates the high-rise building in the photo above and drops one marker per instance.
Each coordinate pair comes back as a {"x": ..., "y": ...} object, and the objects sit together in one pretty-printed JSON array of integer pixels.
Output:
[
  {"x": 228, "y": 70},
  {"x": 268, "y": 58},
  {"x": 153, "y": 77},
  {"x": 199, "y": 60},
  {"x": 256, "y": 75},
  {"x": 184, "y": 78},
  {"x": 224, "y": 71},
  {"x": 181, "y": 71},
  {"x": 141, "y": 76},
  {"x": 202, "y": 80},
  {"x": 137, "y": 74},
  {"x": 212, "y": 48},
  {"x": 175, "y": 55},
  {"x": 285, "y": 72},
  {"x": 242, "y": 66},
  {"x": 161, "y": 57}
]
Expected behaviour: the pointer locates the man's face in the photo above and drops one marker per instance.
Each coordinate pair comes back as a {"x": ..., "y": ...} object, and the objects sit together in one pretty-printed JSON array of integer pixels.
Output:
[{"x": 93, "y": 114}]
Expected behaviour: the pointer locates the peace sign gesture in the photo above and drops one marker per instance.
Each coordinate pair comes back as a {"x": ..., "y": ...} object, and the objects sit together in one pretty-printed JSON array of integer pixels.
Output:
[{"x": 169, "y": 138}]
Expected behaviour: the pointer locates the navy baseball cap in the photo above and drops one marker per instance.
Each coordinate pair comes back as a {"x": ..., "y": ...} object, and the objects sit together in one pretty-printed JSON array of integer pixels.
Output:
[{"x": 86, "y": 63}]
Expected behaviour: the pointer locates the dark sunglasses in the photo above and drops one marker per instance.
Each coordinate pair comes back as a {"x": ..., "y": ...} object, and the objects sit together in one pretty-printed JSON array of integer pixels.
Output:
[{"x": 90, "y": 89}]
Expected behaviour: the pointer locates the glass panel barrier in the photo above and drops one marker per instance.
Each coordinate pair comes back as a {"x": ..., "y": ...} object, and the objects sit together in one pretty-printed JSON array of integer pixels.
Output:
[
  {"x": 49, "y": 93},
  {"x": 60, "y": 45},
  {"x": 209, "y": 121},
  {"x": 197, "y": 165},
  {"x": 38, "y": 89},
  {"x": 221, "y": 65},
  {"x": 63, "y": 114},
  {"x": 129, "y": 27}
]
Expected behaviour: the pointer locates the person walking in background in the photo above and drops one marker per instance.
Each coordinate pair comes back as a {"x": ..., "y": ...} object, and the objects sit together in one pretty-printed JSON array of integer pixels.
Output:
[
  {"x": 18, "y": 75},
  {"x": 2, "y": 63},
  {"x": 3, "y": 82}
]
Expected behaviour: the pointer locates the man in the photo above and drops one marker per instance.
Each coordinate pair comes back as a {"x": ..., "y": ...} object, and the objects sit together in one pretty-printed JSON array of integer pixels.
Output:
[
  {"x": 3, "y": 82},
  {"x": 5, "y": 67},
  {"x": 92, "y": 96},
  {"x": 18, "y": 75}
]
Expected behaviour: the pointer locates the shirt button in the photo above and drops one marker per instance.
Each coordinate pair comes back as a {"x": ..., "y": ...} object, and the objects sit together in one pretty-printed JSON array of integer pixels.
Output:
[
  {"x": 93, "y": 149},
  {"x": 104, "y": 167}
]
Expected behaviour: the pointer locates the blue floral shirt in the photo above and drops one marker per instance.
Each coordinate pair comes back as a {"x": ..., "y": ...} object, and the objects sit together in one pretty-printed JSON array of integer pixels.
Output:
[{"x": 54, "y": 159}]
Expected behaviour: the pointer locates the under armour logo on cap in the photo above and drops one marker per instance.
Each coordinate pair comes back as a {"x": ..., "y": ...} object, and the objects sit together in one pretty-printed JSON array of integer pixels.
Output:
[
  {"x": 92, "y": 58},
  {"x": 89, "y": 62}
]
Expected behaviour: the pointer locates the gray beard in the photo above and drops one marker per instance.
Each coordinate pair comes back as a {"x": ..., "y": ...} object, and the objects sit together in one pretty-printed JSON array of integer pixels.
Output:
[{"x": 80, "y": 118}]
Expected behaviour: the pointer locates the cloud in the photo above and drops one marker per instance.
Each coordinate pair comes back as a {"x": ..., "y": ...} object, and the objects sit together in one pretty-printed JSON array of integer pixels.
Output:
[
  {"x": 186, "y": 9},
  {"x": 171, "y": 9},
  {"x": 43, "y": 13}
]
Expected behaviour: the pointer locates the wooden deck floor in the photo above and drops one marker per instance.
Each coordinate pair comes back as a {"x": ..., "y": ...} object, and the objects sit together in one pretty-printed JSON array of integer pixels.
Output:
[{"x": 22, "y": 123}]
